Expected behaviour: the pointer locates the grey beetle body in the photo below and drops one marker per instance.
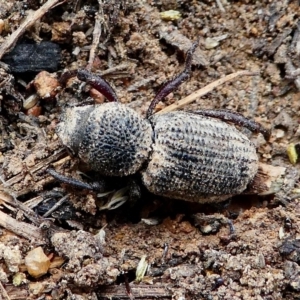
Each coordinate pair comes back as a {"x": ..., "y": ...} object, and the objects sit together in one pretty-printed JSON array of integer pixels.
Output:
[
  {"x": 179, "y": 154},
  {"x": 194, "y": 156}
]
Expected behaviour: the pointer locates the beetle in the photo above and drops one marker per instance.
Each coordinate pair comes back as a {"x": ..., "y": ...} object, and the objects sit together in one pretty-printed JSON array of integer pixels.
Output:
[{"x": 190, "y": 155}]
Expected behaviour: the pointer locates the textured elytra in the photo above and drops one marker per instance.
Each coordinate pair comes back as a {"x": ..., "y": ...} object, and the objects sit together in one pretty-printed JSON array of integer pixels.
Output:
[
  {"x": 115, "y": 140},
  {"x": 198, "y": 158}
]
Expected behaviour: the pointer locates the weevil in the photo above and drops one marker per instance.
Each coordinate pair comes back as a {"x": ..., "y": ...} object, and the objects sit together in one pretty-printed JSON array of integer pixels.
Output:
[{"x": 190, "y": 155}]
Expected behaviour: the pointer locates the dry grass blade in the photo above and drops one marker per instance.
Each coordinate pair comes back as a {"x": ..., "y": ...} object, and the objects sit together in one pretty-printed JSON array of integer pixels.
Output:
[{"x": 192, "y": 97}]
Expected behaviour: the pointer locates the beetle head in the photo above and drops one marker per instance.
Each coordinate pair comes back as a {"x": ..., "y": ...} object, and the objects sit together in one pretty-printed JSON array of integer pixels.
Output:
[{"x": 71, "y": 127}]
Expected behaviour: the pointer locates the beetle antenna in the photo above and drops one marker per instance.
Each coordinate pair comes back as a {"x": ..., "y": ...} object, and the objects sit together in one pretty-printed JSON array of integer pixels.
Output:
[
  {"x": 98, "y": 83},
  {"x": 174, "y": 83}
]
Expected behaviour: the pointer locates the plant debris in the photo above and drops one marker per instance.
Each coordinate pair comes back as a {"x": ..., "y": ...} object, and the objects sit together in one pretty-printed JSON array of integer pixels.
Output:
[{"x": 33, "y": 58}]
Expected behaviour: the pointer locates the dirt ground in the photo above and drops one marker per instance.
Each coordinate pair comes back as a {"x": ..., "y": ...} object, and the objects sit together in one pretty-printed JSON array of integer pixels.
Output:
[{"x": 246, "y": 248}]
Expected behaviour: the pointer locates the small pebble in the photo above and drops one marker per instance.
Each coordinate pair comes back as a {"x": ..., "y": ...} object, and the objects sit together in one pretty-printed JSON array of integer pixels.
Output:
[
  {"x": 34, "y": 111},
  {"x": 19, "y": 278},
  {"x": 170, "y": 15},
  {"x": 46, "y": 85},
  {"x": 2, "y": 25},
  {"x": 30, "y": 101},
  {"x": 37, "y": 262},
  {"x": 292, "y": 153}
]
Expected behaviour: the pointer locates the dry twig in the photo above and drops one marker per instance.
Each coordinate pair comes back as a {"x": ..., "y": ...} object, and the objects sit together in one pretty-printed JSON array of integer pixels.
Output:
[
  {"x": 45, "y": 180},
  {"x": 141, "y": 291},
  {"x": 56, "y": 206},
  {"x": 23, "y": 229},
  {"x": 3, "y": 292},
  {"x": 99, "y": 23},
  {"x": 192, "y": 97},
  {"x": 43, "y": 164},
  {"x": 28, "y": 22},
  {"x": 96, "y": 36}
]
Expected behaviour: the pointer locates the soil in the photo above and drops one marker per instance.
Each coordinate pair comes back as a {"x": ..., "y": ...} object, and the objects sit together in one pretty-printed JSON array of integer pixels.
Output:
[{"x": 246, "y": 248}]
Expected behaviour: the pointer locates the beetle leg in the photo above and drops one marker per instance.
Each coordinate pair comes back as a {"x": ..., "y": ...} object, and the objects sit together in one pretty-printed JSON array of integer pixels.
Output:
[
  {"x": 236, "y": 118},
  {"x": 97, "y": 186},
  {"x": 98, "y": 83},
  {"x": 95, "y": 81},
  {"x": 173, "y": 84},
  {"x": 66, "y": 76}
]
